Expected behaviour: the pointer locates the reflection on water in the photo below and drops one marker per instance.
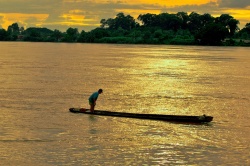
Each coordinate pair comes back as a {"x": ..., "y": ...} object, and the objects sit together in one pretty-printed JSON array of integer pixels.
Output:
[{"x": 40, "y": 81}]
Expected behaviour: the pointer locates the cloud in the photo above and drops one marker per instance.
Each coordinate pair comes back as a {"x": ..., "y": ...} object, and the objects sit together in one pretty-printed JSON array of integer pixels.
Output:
[
  {"x": 29, "y": 6},
  {"x": 30, "y": 20},
  {"x": 1, "y": 21},
  {"x": 234, "y": 3}
]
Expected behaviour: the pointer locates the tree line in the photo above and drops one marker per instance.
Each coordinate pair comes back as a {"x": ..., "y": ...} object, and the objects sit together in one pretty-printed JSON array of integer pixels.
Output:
[{"x": 165, "y": 28}]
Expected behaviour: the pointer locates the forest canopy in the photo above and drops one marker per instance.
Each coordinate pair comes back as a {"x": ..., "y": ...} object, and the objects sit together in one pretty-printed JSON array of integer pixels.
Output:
[{"x": 165, "y": 28}]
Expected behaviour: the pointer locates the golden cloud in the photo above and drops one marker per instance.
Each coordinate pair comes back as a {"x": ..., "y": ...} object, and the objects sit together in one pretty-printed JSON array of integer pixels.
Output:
[
  {"x": 146, "y": 2},
  {"x": 77, "y": 20},
  {"x": 10, "y": 18}
]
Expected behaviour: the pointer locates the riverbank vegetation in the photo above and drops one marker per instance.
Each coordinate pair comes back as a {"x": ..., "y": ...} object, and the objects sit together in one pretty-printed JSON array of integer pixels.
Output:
[{"x": 177, "y": 29}]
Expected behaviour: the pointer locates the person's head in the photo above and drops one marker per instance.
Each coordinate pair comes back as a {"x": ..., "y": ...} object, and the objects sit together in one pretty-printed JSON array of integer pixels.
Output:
[{"x": 100, "y": 91}]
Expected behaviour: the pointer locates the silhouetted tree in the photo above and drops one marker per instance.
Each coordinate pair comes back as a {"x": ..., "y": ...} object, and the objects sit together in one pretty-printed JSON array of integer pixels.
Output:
[
  {"x": 56, "y": 35},
  {"x": 169, "y": 21},
  {"x": 244, "y": 33},
  {"x": 71, "y": 35},
  {"x": 163, "y": 28},
  {"x": 212, "y": 34},
  {"x": 82, "y": 37},
  {"x": 99, "y": 33},
  {"x": 229, "y": 22},
  {"x": 194, "y": 23},
  {"x": 206, "y": 19},
  {"x": 184, "y": 19},
  {"x": 13, "y": 31},
  {"x": 148, "y": 19},
  {"x": 33, "y": 35},
  {"x": 125, "y": 22},
  {"x": 3, "y": 35},
  {"x": 233, "y": 26}
]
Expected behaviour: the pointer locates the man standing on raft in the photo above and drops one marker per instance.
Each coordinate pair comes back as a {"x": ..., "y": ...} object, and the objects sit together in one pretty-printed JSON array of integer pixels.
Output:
[{"x": 93, "y": 98}]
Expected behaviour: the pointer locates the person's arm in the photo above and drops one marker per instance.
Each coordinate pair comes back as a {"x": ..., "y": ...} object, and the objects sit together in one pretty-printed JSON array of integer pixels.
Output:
[{"x": 95, "y": 101}]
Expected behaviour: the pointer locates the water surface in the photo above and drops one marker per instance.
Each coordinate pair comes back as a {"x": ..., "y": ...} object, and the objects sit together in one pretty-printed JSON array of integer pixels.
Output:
[{"x": 40, "y": 81}]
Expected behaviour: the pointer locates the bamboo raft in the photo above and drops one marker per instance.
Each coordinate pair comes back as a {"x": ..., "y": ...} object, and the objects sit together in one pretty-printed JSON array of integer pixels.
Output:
[{"x": 161, "y": 117}]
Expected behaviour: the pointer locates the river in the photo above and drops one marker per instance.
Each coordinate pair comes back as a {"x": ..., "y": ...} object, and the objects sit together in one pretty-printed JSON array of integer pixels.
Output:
[{"x": 39, "y": 82}]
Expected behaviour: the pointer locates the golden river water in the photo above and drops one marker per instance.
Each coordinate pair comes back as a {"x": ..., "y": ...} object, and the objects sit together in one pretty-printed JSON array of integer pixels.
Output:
[{"x": 39, "y": 82}]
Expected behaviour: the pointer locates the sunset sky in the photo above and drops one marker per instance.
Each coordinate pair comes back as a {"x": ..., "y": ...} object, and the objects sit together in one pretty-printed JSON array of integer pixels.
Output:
[{"x": 86, "y": 14}]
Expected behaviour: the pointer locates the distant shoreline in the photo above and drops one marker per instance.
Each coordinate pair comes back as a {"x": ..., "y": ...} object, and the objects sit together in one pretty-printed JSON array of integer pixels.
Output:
[
  {"x": 225, "y": 43},
  {"x": 156, "y": 29}
]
